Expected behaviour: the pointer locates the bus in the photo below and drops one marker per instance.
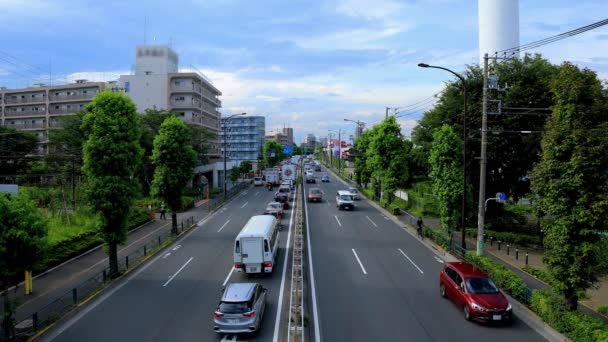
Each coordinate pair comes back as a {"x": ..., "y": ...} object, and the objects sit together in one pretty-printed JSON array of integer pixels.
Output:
[{"x": 256, "y": 246}]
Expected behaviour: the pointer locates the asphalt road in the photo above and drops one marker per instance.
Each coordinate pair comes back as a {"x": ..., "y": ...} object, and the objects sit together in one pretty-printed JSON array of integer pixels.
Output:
[
  {"x": 375, "y": 282},
  {"x": 173, "y": 297}
]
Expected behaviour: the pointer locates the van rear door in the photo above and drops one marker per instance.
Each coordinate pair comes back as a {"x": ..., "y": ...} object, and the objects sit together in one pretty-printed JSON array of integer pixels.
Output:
[{"x": 253, "y": 254}]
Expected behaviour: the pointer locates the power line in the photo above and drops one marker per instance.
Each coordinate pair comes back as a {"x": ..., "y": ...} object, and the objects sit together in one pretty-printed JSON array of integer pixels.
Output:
[{"x": 555, "y": 38}]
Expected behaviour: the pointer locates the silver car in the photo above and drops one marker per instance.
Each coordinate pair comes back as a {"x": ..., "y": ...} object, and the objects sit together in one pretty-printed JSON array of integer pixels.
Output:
[
  {"x": 355, "y": 193},
  {"x": 241, "y": 308}
]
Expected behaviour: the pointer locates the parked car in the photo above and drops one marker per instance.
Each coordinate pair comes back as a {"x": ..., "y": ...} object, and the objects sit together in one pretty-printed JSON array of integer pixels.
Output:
[
  {"x": 282, "y": 197},
  {"x": 325, "y": 179},
  {"x": 315, "y": 195},
  {"x": 355, "y": 193},
  {"x": 474, "y": 292},
  {"x": 275, "y": 209},
  {"x": 241, "y": 308}
]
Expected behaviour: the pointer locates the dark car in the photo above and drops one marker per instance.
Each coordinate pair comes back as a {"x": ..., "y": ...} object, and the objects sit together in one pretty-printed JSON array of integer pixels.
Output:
[
  {"x": 474, "y": 292},
  {"x": 274, "y": 209},
  {"x": 325, "y": 179},
  {"x": 315, "y": 195},
  {"x": 282, "y": 197}
]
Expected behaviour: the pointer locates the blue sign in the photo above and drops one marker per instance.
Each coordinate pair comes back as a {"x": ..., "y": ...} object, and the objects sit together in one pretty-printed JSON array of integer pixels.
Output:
[
  {"x": 501, "y": 196},
  {"x": 288, "y": 149}
]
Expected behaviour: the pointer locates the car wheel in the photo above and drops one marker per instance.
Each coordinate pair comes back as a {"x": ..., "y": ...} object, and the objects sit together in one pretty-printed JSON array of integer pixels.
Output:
[
  {"x": 467, "y": 313},
  {"x": 442, "y": 291}
]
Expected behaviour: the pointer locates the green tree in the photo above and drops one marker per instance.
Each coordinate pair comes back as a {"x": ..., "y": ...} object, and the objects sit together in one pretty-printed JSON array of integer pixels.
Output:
[
  {"x": 23, "y": 230},
  {"x": 202, "y": 138},
  {"x": 15, "y": 146},
  {"x": 388, "y": 156},
  {"x": 246, "y": 166},
  {"x": 150, "y": 122},
  {"x": 235, "y": 172},
  {"x": 571, "y": 181},
  {"x": 446, "y": 172},
  {"x": 174, "y": 159},
  {"x": 111, "y": 156},
  {"x": 273, "y": 148},
  {"x": 362, "y": 172}
]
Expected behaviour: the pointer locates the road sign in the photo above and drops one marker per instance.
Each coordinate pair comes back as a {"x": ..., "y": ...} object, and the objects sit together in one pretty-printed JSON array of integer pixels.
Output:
[
  {"x": 288, "y": 149},
  {"x": 501, "y": 196}
]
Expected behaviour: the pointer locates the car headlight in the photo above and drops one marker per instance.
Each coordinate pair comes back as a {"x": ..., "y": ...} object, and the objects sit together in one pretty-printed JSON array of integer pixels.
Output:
[
  {"x": 509, "y": 307},
  {"x": 478, "y": 307}
]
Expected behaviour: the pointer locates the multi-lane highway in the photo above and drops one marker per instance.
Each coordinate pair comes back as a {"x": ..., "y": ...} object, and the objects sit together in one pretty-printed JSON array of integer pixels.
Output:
[
  {"x": 173, "y": 297},
  {"x": 370, "y": 281},
  {"x": 375, "y": 282}
]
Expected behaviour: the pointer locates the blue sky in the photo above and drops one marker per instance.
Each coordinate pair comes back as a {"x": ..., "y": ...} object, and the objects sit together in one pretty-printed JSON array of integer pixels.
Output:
[{"x": 303, "y": 63}]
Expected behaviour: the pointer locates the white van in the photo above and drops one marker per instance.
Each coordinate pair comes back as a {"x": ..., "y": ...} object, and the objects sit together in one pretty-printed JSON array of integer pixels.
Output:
[
  {"x": 258, "y": 181},
  {"x": 256, "y": 246},
  {"x": 344, "y": 200}
]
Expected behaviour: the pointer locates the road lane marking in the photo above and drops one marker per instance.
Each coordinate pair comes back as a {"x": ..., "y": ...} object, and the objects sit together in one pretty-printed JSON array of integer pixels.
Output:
[
  {"x": 438, "y": 260},
  {"x": 228, "y": 277},
  {"x": 275, "y": 337},
  {"x": 166, "y": 255},
  {"x": 219, "y": 230},
  {"x": 370, "y": 220},
  {"x": 360, "y": 264},
  {"x": 257, "y": 193},
  {"x": 176, "y": 247},
  {"x": 243, "y": 206},
  {"x": 408, "y": 258},
  {"x": 176, "y": 273},
  {"x": 315, "y": 313},
  {"x": 232, "y": 338},
  {"x": 338, "y": 220}
]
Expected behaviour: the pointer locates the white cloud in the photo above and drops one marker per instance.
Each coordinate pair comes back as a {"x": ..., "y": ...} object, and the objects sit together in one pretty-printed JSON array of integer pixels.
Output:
[{"x": 268, "y": 98}]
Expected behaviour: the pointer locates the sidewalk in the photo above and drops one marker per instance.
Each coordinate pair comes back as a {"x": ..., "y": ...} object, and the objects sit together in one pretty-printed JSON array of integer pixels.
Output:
[{"x": 55, "y": 282}]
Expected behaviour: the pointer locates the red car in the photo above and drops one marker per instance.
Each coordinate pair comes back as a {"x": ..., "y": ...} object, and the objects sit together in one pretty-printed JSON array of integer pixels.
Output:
[
  {"x": 275, "y": 209},
  {"x": 474, "y": 292},
  {"x": 315, "y": 195}
]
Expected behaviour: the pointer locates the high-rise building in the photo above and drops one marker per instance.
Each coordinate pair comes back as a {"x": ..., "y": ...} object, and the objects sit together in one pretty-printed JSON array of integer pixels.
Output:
[
  {"x": 311, "y": 140},
  {"x": 278, "y": 137},
  {"x": 157, "y": 83},
  {"x": 288, "y": 132},
  {"x": 244, "y": 138},
  {"x": 37, "y": 109}
]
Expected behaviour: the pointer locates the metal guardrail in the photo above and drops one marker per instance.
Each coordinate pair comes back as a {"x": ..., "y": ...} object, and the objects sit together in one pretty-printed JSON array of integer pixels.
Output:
[
  {"x": 295, "y": 330},
  {"x": 76, "y": 296}
]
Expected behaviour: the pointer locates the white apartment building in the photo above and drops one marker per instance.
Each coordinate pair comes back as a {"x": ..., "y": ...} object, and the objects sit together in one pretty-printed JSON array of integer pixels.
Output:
[
  {"x": 36, "y": 109},
  {"x": 244, "y": 138},
  {"x": 157, "y": 83}
]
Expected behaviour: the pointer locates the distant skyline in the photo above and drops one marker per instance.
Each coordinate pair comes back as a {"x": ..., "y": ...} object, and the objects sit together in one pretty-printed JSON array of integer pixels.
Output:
[{"x": 301, "y": 63}]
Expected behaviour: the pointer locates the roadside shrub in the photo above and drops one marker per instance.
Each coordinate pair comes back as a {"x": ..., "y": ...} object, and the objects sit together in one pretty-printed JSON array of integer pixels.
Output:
[
  {"x": 502, "y": 276},
  {"x": 602, "y": 309},
  {"x": 540, "y": 274},
  {"x": 440, "y": 237},
  {"x": 215, "y": 191},
  {"x": 68, "y": 248},
  {"x": 507, "y": 237},
  {"x": 369, "y": 193},
  {"x": 394, "y": 209},
  {"x": 137, "y": 217},
  {"x": 186, "y": 203},
  {"x": 575, "y": 325}
]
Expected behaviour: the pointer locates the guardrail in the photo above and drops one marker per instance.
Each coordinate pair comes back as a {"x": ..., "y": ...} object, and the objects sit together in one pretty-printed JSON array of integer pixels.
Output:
[{"x": 295, "y": 330}]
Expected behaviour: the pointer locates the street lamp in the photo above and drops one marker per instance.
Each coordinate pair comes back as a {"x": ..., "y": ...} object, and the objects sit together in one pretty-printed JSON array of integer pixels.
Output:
[
  {"x": 359, "y": 126},
  {"x": 464, "y": 146},
  {"x": 339, "y": 148},
  {"x": 224, "y": 133}
]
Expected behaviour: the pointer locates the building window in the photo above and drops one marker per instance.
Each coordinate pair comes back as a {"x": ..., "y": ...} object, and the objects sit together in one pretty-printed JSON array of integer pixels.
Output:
[
  {"x": 127, "y": 86},
  {"x": 56, "y": 107},
  {"x": 178, "y": 82},
  {"x": 84, "y": 91}
]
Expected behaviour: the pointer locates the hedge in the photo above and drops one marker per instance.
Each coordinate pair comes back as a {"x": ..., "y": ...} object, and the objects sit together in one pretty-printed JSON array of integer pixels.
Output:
[
  {"x": 508, "y": 237},
  {"x": 575, "y": 325},
  {"x": 502, "y": 276},
  {"x": 602, "y": 309},
  {"x": 540, "y": 274}
]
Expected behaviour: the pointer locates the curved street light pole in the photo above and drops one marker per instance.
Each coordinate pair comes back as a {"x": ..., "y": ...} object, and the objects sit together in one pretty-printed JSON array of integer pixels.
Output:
[
  {"x": 464, "y": 148},
  {"x": 224, "y": 134}
]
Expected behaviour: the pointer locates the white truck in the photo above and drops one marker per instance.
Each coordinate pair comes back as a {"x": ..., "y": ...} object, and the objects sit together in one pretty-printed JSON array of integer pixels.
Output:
[
  {"x": 289, "y": 172},
  {"x": 272, "y": 176}
]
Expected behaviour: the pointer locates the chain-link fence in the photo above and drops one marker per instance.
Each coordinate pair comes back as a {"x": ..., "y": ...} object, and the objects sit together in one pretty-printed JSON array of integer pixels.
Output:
[{"x": 84, "y": 290}]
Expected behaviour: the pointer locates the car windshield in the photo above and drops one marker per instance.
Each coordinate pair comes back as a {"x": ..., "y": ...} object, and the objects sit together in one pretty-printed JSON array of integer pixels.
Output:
[
  {"x": 352, "y": 191},
  {"x": 284, "y": 190},
  {"x": 346, "y": 197},
  {"x": 234, "y": 308},
  {"x": 315, "y": 191},
  {"x": 480, "y": 285}
]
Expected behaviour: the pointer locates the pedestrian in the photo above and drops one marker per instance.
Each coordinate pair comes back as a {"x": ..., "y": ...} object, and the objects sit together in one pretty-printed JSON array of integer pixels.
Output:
[
  {"x": 162, "y": 211},
  {"x": 419, "y": 224}
]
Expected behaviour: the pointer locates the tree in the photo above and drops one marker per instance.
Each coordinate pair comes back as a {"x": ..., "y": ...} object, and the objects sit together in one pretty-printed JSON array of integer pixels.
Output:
[
  {"x": 235, "y": 172},
  {"x": 446, "y": 173},
  {"x": 388, "y": 155},
  {"x": 15, "y": 146},
  {"x": 111, "y": 156},
  {"x": 362, "y": 172},
  {"x": 246, "y": 166},
  {"x": 174, "y": 159},
  {"x": 150, "y": 121},
  {"x": 273, "y": 153},
  {"x": 201, "y": 138},
  {"x": 23, "y": 231},
  {"x": 571, "y": 181}
]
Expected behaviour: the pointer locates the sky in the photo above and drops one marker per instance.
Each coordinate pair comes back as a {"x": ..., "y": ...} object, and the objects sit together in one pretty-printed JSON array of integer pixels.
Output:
[{"x": 304, "y": 64}]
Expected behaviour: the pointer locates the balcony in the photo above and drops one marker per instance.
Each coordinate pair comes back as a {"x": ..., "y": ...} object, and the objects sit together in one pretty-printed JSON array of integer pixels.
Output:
[
  {"x": 55, "y": 124},
  {"x": 186, "y": 104},
  {"x": 24, "y": 113},
  {"x": 28, "y": 99},
  {"x": 65, "y": 110},
  {"x": 28, "y": 125},
  {"x": 64, "y": 97}
]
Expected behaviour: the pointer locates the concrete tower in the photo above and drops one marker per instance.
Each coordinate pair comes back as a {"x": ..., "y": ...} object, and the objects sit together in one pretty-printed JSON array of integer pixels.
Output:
[{"x": 498, "y": 26}]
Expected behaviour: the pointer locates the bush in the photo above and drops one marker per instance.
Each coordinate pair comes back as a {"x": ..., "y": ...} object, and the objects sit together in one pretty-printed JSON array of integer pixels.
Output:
[
  {"x": 438, "y": 236},
  {"x": 68, "y": 248},
  {"x": 540, "y": 274},
  {"x": 507, "y": 237},
  {"x": 575, "y": 325},
  {"x": 394, "y": 209},
  {"x": 137, "y": 217},
  {"x": 502, "y": 276},
  {"x": 369, "y": 193},
  {"x": 602, "y": 309},
  {"x": 215, "y": 191},
  {"x": 186, "y": 203}
]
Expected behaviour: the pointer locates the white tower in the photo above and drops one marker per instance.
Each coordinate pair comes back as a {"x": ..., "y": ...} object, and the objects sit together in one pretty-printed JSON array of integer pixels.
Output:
[{"x": 498, "y": 26}]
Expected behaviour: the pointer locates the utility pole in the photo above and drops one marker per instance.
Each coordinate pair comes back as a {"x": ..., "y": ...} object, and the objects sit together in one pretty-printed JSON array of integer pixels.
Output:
[
  {"x": 386, "y": 115},
  {"x": 483, "y": 161}
]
